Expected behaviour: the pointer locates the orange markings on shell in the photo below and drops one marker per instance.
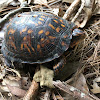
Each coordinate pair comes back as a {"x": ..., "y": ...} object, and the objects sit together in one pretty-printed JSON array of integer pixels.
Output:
[
  {"x": 30, "y": 31},
  {"x": 43, "y": 16},
  {"x": 17, "y": 22},
  {"x": 47, "y": 33},
  {"x": 52, "y": 37},
  {"x": 12, "y": 31},
  {"x": 8, "y": 25},
  {"x": 55, "y": 67},
  {"x": 47, "y": 41},
  {"x": 42, "y": 45},
  {"x": 61, "y": 20},
  {"x": 56, "y": 17},
  {"x": 25, "y": 46},
  {"x": 10, "y": 19},
  {"x": 35, "y": 15},
  {"x": 42, "y": 39},
  {"x": 51, "y": 26},
  {"x": 65, "y": 36},
  {"x": 57, "y": 29},
  {"x": 33, "y": 49},
  {"x": 23, "y": 30},
  {"x": 24, "y": 38},
  {"x": 38, "y": 47},
  {"x": 63, "y": 44},
  {"x": 41, "y": 19},
  {"x": 55, "y": 21},
  {"x": 13, "y": 45},
  {"x": 62, "y": 25},
  {"x": 39, "y": 22},
  {"x": 10, "y": 38},
  {"x": 11, "y": 42},
  {"x": 22, "y": 46},
  {"x": 40, "y": 32}
]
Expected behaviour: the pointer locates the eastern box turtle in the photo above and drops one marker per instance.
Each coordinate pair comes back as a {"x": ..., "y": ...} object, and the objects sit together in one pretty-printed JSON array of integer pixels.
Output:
[{"x": 38, "y": 37}]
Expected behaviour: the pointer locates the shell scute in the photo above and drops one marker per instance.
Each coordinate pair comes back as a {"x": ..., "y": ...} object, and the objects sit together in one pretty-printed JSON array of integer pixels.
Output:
[{"x": 36, "y": 37}]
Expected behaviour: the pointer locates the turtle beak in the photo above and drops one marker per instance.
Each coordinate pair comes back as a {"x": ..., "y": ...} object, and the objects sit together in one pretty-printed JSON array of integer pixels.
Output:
[{"x": 77, "y": 36}]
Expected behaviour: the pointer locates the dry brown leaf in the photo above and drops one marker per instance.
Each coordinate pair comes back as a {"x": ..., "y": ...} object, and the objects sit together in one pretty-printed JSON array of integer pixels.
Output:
[
  {"x": 40, "y": 2},
  {"x": 25, "y": 82},
  {"x": 81, "y": 84},
  {"x": 16, "y": 91},
  {"x": 96, "y": 87}
]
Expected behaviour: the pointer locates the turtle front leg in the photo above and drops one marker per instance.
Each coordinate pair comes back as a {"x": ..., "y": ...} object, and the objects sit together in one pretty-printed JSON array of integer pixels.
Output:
[{"x": 59, "y": 65}]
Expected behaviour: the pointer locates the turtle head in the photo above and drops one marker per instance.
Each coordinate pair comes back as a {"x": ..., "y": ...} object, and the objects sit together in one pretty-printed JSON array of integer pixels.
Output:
[{"x": 77, "y": 36}]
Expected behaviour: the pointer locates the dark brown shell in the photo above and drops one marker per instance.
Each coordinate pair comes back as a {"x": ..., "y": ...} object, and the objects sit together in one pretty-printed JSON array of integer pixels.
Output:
[{"x": 36, "y": 37}]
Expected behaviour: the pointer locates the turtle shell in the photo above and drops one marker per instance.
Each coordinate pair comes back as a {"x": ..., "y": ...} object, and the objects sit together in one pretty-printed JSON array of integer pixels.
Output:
[{"x": 36, "y": 37}]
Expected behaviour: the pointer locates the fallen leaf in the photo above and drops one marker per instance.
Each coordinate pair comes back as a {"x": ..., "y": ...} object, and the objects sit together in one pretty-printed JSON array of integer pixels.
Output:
[
  {"x": 16, "y": 91},
  {"x": 96, "y": 87},
  {"x": 81, "y": 84}
]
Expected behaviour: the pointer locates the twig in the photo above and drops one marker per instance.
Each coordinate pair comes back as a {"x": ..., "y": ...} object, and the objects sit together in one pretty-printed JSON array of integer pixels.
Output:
[
  {"x": 90, "y": 75},
  {"x": 74, "y": 91},
  {"x": 95, "y": 24},
  {"x": 31, "y": 93},
  {"x": 2, "y": 96},
  {"x": 71, "y": 9},
  {"x": 47, "y": 94},
  {"x": 53, "y": 96},
  {"x": 56, "y": 1},
  {"x": 79, "y": 11}
]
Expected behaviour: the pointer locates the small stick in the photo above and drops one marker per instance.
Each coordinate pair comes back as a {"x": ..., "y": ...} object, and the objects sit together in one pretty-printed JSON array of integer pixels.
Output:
[
  {"x": 53, "y": 96},
  {"x": 32, "y": 92},
  {"x": 71, "y": 9},
  {"x": 79, "y": 11},
  {"x": 56, "y": 1},
  {"x": 74, "y": 91}
]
